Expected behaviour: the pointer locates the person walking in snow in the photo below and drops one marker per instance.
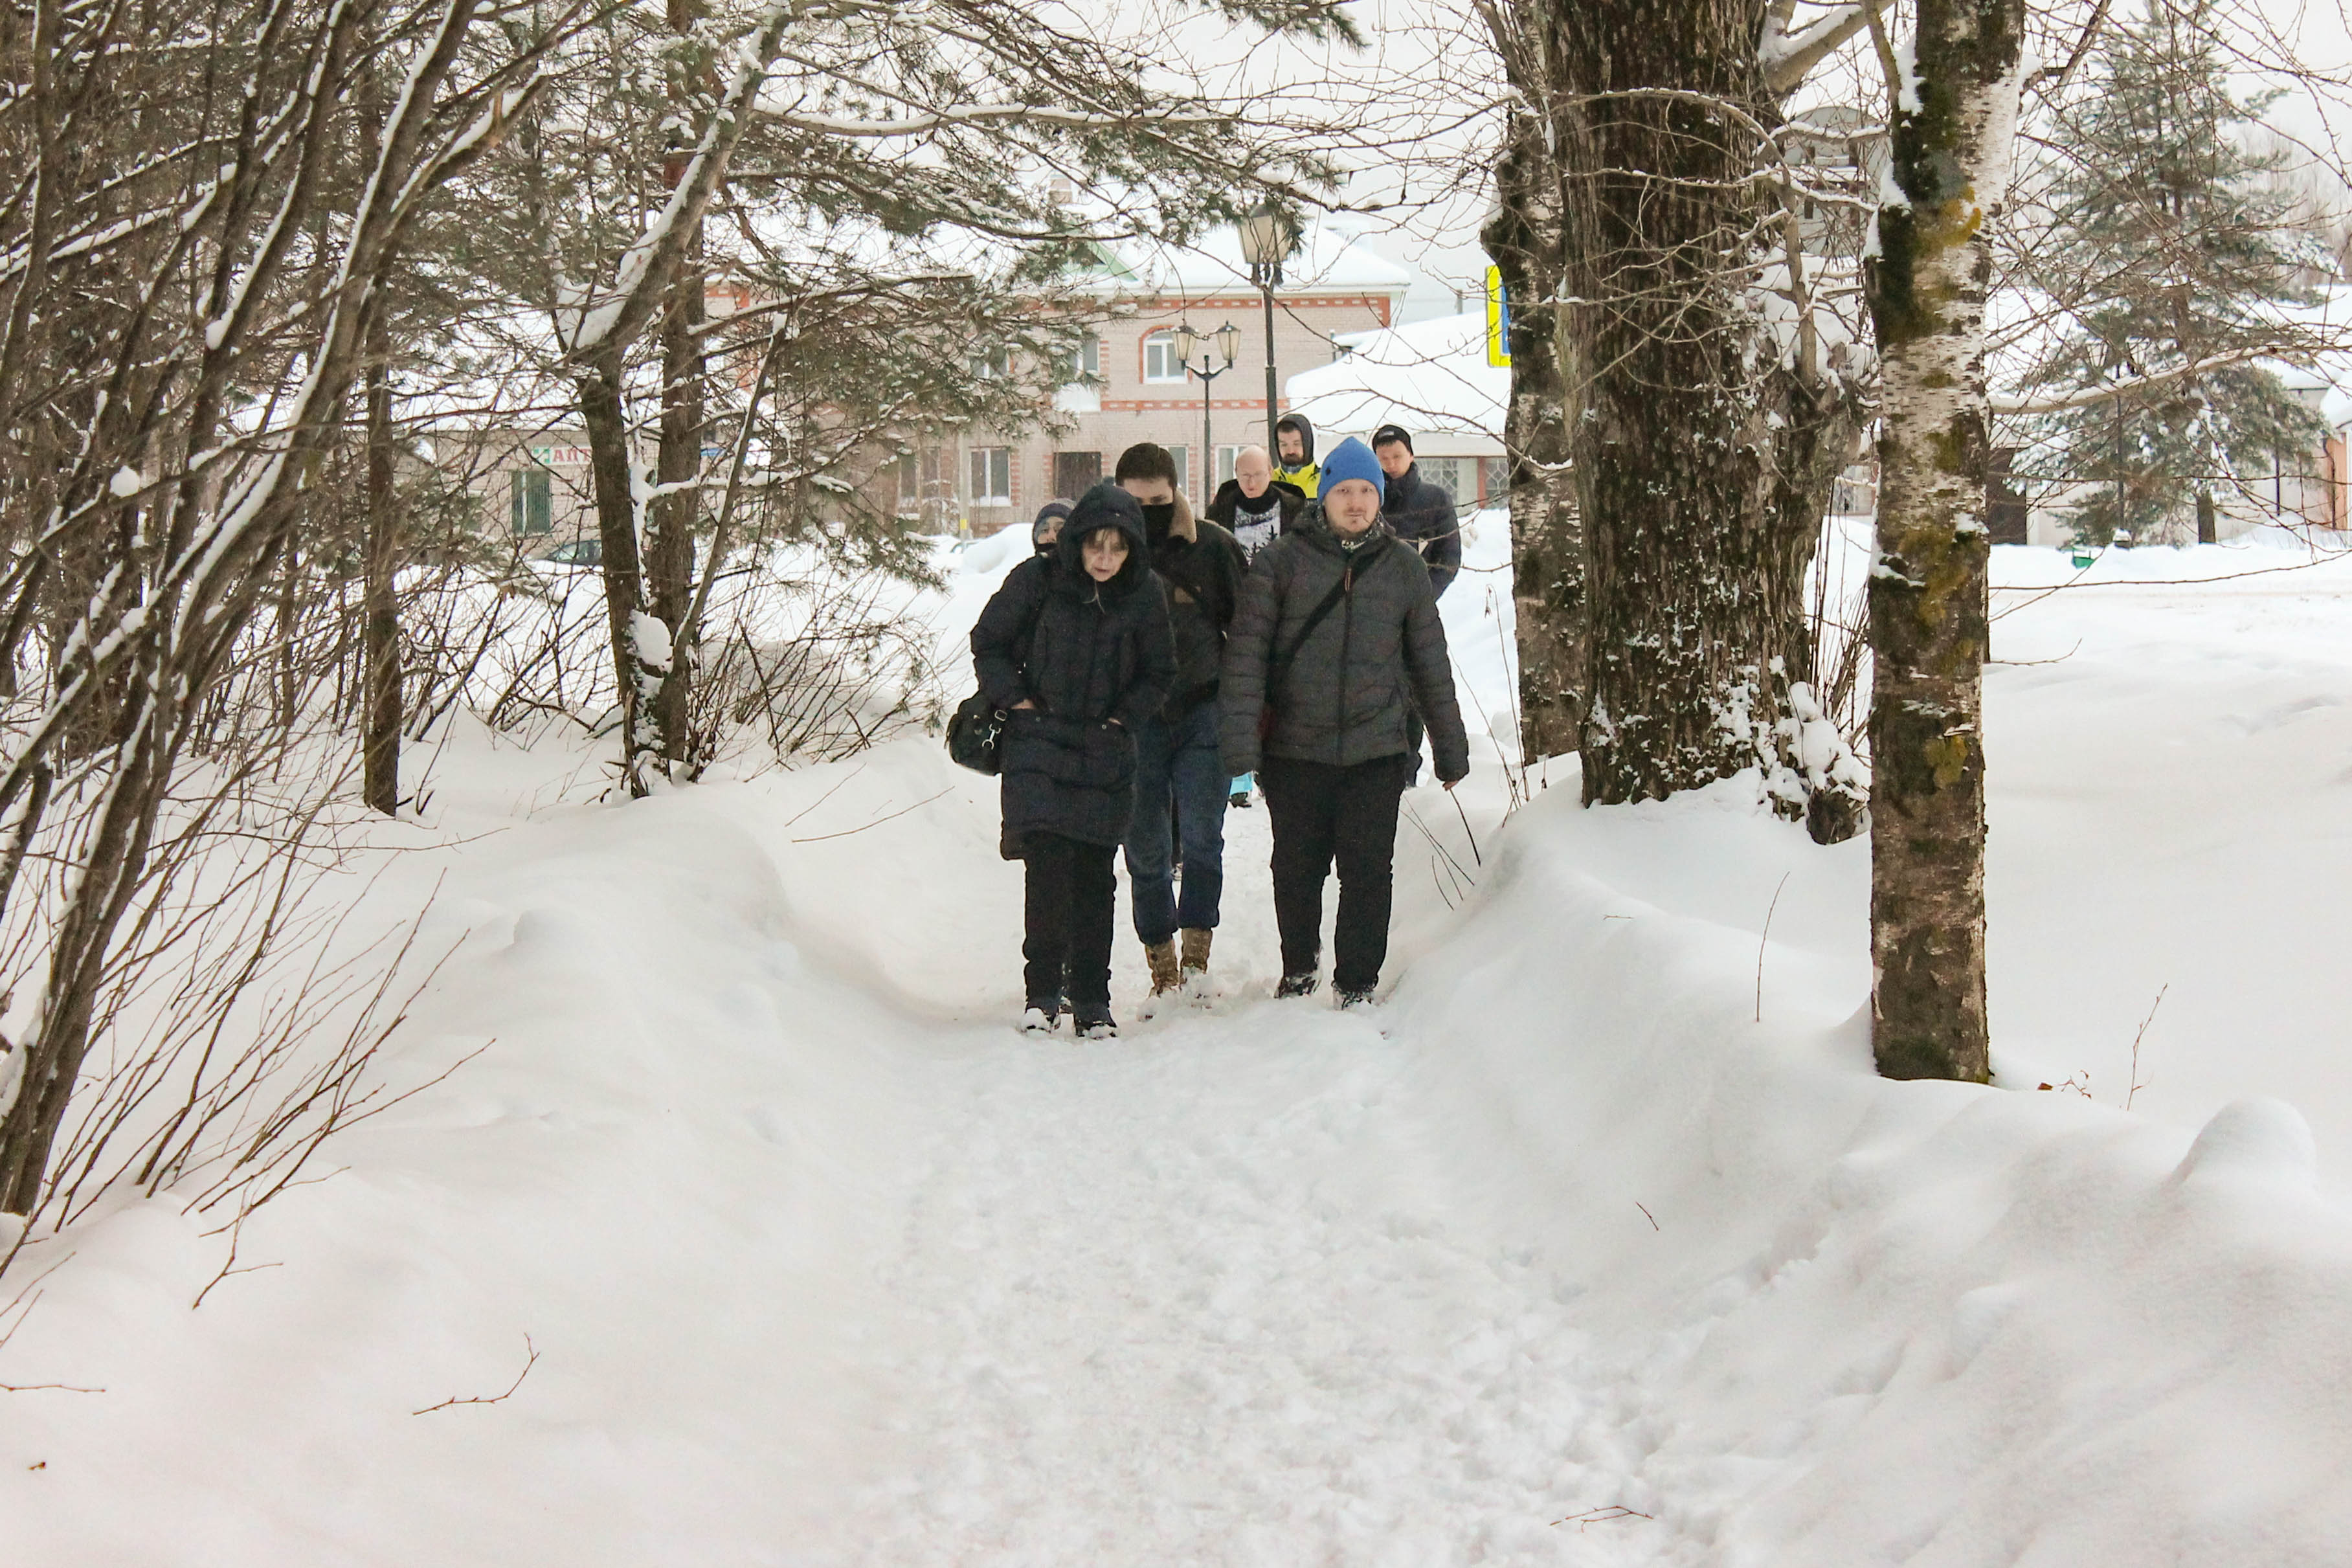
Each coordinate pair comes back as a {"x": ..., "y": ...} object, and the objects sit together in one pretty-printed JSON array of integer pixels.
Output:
[
  {"x": 1420, "y": 512},
  {"x": 1422, "y": 515},
  {"x": 1257, "y": 509},
  {"x": 1046, "y": 530},
  {"x": 1337, "y": 635},
  {"x": 1075, "y": 648},
  {"x": 1200, "y": 568},
  {"x": 1253, "y": 506},
  {"x": 1293, "y": 444}
]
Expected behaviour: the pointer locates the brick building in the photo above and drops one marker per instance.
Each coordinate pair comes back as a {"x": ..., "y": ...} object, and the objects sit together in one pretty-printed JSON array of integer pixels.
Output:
[{"x": 1131, "y": 388}]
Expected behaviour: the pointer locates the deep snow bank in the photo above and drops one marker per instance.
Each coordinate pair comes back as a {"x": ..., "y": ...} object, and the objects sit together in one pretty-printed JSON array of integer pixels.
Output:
[{"x": 1863, "y": 1322}]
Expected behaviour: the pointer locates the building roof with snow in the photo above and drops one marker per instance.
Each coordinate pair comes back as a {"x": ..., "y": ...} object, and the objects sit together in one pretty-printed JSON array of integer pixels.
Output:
[{"x": 1431, "y": 377}]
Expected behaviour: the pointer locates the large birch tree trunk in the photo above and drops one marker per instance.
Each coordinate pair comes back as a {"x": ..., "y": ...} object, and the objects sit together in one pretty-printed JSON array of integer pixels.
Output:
[
  {"x": 1929, "y": 623},
  {"x": 640, "y": 660}
]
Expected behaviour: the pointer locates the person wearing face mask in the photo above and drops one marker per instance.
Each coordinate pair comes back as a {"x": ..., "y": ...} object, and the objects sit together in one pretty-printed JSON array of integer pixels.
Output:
[
  {"x": 1338, "y": 636},
  {"x": 1253, "y": 505},
  {"x": 1200, "y": 567},
  {"x": 1047, "y": 529},
  {"x": 1075, "y": 650}
]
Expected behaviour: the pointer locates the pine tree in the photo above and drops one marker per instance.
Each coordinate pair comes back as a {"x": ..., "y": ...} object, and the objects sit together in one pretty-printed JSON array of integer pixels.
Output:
[{"x": 2172, "y": 248}]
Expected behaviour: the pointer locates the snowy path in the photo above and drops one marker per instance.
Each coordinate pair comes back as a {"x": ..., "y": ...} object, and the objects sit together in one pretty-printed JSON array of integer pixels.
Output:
[
  {"x": 1196, "y": 1296},
  {"x": 1188, "y": 1292}
]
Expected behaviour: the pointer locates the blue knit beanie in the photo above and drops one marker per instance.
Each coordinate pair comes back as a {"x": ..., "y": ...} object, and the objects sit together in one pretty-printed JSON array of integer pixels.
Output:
[{"x": 1350, "y": 459}]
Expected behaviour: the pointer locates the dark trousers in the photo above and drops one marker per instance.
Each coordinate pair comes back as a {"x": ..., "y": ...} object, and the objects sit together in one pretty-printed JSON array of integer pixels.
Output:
[
  {"x": 1068, "y": 909},
  {"x": 1177, "y": 762},
  {"x": 1324, "y": 814}
]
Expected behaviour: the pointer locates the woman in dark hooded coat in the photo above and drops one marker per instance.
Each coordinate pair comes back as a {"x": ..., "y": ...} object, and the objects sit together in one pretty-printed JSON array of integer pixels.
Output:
[{"x": 1075, "y": 647}]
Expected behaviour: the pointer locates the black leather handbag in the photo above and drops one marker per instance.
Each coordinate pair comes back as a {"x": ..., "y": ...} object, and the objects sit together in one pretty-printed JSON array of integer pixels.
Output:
[{"x": 976, "y": 735}]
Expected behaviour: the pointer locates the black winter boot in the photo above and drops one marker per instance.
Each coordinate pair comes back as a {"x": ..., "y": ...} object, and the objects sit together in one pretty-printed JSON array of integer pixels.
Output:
[
  {"x": 1297, "y": 985},
  {"x": 1094, "y": 1021}
]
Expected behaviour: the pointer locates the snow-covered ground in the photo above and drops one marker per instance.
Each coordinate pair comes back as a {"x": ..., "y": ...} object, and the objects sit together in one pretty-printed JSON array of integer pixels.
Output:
[{"x": 1598, "y": 1243}]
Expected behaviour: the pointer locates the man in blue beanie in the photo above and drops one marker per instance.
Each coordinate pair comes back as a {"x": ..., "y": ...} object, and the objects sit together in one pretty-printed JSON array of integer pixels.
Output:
[{"x": 1337, "y": 623}]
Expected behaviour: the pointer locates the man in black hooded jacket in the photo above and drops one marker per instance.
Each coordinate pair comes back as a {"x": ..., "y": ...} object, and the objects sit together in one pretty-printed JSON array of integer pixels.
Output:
[
  {"x": 1422, "y": 515},
  {"x": 1200, "y": 569},
  {"x": 1420, "y": 512}
]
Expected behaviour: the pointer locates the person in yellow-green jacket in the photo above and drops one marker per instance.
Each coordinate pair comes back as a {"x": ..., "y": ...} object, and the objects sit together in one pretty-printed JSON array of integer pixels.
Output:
[{"x": 1295, "y": 455}]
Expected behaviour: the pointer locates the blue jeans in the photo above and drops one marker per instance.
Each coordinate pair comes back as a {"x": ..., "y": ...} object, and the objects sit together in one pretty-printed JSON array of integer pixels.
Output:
[{"x": 1178, "y": 762}]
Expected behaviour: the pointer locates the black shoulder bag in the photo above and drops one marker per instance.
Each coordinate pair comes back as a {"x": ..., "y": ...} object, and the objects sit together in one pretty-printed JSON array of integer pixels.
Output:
[
  {"x": 976, "y": 732},
  {"x": 1282, "y": 660}
]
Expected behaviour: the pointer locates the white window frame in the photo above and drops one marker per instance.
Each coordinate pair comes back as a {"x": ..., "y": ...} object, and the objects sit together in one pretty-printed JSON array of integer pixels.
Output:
[
  {"x": 1085, "y": 362},
  {"x": 1494, "y": 481},
  {"x": 1184, "y": 456},
  {"x": 1226, "y": 457},
  {"x": 1164, "y": 340},
  {"x": 989, "y": 471},
  {"x": 531, "y": 501},
  {"x": 1448, "y": 477}
]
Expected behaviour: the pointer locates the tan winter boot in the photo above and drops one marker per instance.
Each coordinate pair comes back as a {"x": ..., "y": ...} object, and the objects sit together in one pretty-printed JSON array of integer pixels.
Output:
[
  {"x": 1196, "y": 947},
  {"x": 1196, "y": 961},
  {"x": 1165, "y": 974}
]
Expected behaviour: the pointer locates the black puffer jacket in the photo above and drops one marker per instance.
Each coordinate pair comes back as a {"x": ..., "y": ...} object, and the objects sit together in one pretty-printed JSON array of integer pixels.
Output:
[
  {"x": 1096, "y": 661},
  {"x": 1422, "y": 515},
  {"x": 1342, "y": 699},
  {"x": 1200, "y": 568}
]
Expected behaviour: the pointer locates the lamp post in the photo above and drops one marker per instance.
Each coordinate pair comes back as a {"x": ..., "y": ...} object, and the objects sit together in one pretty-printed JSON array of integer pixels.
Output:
[
  {"x": 1228, "y": 344},
  {"x": 1267, "y": 241}
]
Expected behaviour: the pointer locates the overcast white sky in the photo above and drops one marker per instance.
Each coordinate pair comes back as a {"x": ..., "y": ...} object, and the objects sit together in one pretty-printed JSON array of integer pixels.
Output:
[{"x": 1423, "y": 88}]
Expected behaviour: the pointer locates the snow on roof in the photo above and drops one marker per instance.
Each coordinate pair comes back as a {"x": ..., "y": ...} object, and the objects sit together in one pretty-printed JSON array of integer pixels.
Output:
[
  {"x": 1329, "y": 260},
  {"x": 1431, "y": 377}
]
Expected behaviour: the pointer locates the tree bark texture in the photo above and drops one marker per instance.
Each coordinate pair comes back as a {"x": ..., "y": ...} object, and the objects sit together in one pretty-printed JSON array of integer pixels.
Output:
[
  {"x": 676, "y": 510},
  {"x": 637, "y": 679},
  {"x": 1679, "y": 405},
  {"x": 1547, "y": 536},
  {"x": 678, "y": 463},
  {"x": 379, "y": 634},
  {"x": 1928, "y": 623}
]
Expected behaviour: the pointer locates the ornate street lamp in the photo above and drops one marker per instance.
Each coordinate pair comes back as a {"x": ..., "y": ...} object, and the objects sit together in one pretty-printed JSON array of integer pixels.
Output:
[
  {"x": 1267, "y": 242},
  {"x": 1228, "y": 345}
]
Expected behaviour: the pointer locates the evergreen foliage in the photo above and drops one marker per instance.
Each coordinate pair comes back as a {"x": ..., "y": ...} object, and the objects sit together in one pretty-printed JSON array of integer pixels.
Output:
[{"x": 2169, "y": 246}]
